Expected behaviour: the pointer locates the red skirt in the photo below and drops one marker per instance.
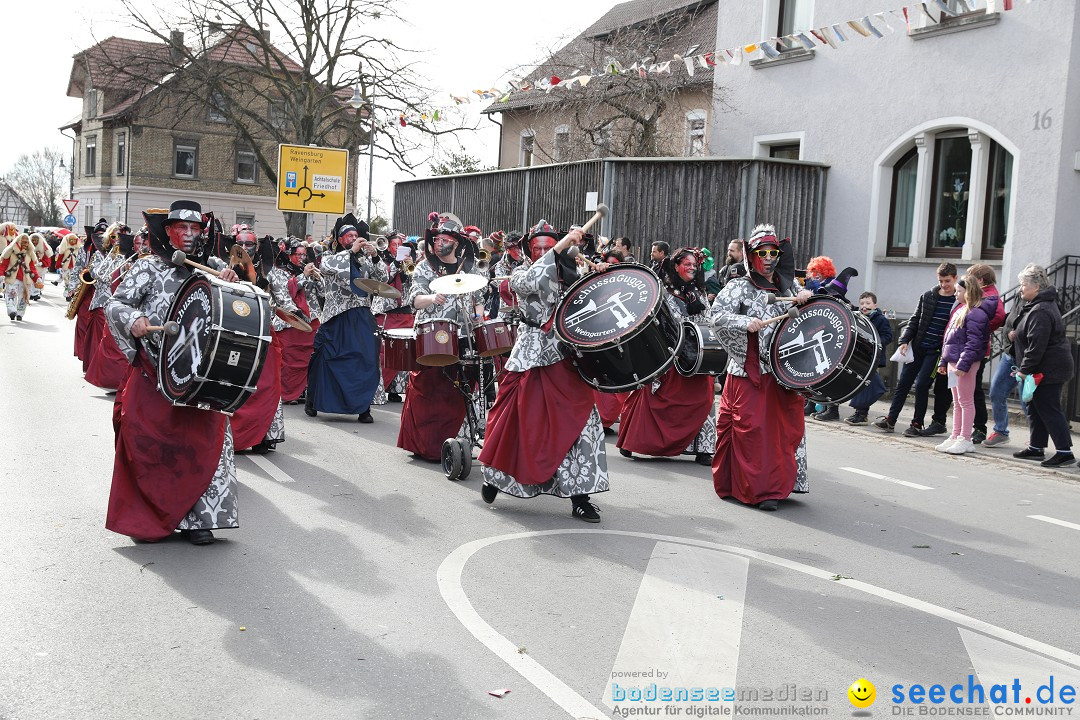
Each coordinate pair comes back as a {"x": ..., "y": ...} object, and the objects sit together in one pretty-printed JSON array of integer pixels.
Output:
[
  {"x": 166, "y": 457},
  {"x": 82, "y": 323},
  {"x": 665, "y": 423},
  {"x": 296, "y": 348},
  {"x": 758, "y": 430},
  {"x": 537, "y": 417},
  {"x": 108, "y": 365},
  {"x": 94, "y": 329},
  {"x": 251, "y": 421},
  {"x": 433, "y": 412},
  {"x": 610, "y": 406}
]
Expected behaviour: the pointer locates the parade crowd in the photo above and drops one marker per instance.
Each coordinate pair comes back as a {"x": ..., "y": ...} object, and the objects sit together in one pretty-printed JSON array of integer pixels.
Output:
[{"x": 528, "y": 347}]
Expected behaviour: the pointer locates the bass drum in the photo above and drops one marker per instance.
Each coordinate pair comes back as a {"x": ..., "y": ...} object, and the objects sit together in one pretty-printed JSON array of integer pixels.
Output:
[
  {"x": 700, "y": 352},
  {"x": 617, "y": 328},
  {"x": 826, "y": 352},
  {"x": 214, "y": 362}
]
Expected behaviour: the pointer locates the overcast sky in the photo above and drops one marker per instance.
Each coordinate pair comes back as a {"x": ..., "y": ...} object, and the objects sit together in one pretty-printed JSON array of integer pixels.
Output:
[{"x": 467, "y": 45}]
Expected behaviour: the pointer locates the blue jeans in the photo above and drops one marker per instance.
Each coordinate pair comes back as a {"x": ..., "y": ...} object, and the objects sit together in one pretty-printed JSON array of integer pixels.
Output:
[
  {"x": 1001, "y": 385},
  {"x": 918, "y": 372}
]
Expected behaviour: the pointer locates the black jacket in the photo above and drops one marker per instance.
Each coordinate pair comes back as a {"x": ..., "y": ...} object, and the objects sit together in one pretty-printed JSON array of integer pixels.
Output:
[
  {"x": 919, "y": 323},
  {"x": 1041, "y": 345}
]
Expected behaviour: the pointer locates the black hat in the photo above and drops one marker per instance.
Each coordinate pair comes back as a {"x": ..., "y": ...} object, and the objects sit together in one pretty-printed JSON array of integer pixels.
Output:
[
  {"x": 185, "y": 211},
  {"x": 94, "y": 232},
  {"x": 344, "y": 224},
  {"x": 127, "y": 243},
  {"x": 447, "y": 224}
]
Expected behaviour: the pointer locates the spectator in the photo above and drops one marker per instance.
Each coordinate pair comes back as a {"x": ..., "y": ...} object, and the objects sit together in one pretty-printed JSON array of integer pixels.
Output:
[
  {"x": 819, "y": 271},
  {"x": 660, "y": 250},
  {"x": 1041, "y": 348},
  {"x": 1004, "y": 383},
  {"x": 870, "y": 395},
  {"x": 733, "y": 265},
  {"x": 961, "y": 354},
  {"x": 995, "y": 309},
  {"x": 923, "y": 335},
  {"x": 622, "y": 244},
  {"x": 712, "y": 278}
]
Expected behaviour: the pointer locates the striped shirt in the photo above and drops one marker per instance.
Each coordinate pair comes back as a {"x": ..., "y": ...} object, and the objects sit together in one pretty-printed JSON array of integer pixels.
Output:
[{"x": 935, "y": 332}]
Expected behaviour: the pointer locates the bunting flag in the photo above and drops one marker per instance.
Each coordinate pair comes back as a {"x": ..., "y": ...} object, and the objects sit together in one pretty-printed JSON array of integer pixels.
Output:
[
  {"x": 857, "y": 27},
  {"x": 750, "y": 48},
  {"x": 884, "y": 21},
  {"x": 822, "y": 35},
  {"x": 870, "y": 26},
  {"x": 944, "y": 8},
  {"x": 769, "y": 50},
  {"x": 839, "y": 34},
  {"x": 907, "y": 19},
  {"x": 689, "y": 62},
  {"x": 926, "y": 13},
  {"x": 736, "y": 57}
]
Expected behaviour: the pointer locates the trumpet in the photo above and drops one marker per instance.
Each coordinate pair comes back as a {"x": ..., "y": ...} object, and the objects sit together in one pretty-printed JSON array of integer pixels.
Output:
[
  {"x": 408, "y": 266},
  {"x": 483, "y": 259},
  {"x": 381, "y": 244}
]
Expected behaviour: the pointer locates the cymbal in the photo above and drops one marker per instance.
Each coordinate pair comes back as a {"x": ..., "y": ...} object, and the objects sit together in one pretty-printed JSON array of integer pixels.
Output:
[
  {"x": 374, "y": 287},
  {"x": 293, "y": 320},
  {"x": 458, "y": 284}
]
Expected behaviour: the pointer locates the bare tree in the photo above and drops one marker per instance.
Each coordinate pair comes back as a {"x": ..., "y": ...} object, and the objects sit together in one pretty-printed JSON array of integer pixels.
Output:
[
  {"x": 39, "y": 180},
  {"x": 285, "y": 71}
]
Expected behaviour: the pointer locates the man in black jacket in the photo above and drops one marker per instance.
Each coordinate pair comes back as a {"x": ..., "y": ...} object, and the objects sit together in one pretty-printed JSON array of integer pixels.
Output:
[{"x": 924, "y": 335}]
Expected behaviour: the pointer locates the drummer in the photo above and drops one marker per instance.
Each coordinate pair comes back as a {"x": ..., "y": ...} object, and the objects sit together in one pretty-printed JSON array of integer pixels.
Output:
[
  {"x": 344, "y": 371},
  {"x": 293, "y": 290},
  {"x": 760, "y": 445},
  {"x": 434, "y": 409},
  {"x": 174, "y": 467},
  {"x": 393, "y": 313},
  {"x": 555, "y": 445}
]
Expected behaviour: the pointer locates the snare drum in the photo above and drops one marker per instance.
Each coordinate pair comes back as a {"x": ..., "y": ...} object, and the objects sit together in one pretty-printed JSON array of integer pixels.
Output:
[
  {"x": 494, "y": 337},
  {"x": 437, "y": 343},
  {"x": 700, "y": 352},
  {"x": 826, "y": 352},
  {"x": 399, "y": 350},
  {"x": 617, "y": 328},
  {"x": 215, "y": 361}
]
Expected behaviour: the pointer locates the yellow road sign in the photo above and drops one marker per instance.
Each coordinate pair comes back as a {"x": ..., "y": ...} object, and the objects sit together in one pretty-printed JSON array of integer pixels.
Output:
[{"x": 312, "y": 179}]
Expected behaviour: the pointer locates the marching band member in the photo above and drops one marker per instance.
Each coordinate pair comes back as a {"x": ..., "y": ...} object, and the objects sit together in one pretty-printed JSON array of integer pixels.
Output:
[
  {"x": 544, "y": 434},
  {"x": 105, "y": 364},
  {"x": 434, "y": 408},
  {"x": 174, "y": 467},
  {"x": 610, "y": 405},
  {"x": 760, "y": 446},
  {"x": 511, "y": 259},
  {"x": 18, "y": 269},
  {"x": 291, "y": 287},
  {"x": 86, "y": 340},
  {"x": 393, "y": 313},
  {"x": 43, "y": 254},
  {"x": 259, "y": 424},
  {"x": 344, "y": 371},
  {"x": 674, "y": 414}
]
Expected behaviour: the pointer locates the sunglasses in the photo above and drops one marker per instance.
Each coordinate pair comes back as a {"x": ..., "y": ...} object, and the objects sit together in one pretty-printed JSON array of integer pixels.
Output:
[{"x": 767, "y": 253}]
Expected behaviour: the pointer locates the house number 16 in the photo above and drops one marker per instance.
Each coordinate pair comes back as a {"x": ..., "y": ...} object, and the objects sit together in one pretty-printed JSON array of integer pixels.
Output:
[{"x": 1042, "y": 120}]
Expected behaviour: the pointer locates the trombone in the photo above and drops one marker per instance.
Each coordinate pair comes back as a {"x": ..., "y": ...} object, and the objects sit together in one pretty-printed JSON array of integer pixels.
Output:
[{"x": 483, "y": 259}]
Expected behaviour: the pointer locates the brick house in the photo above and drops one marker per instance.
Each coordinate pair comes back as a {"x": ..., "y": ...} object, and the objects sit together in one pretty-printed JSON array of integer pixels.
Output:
[
  {"x": 140, "y": 145},
  {"x": 577, "y": 124}
]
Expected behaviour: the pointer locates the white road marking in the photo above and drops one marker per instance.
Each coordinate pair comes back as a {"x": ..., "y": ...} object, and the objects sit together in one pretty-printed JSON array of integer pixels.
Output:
[
  {"x": 998, "y": 663},
  {"x": 271, "y": 469},
  {"x": 450, "y": 571},
  {"x": 686, "y": 621},
  {"x": 886, "y": 478},
  {"x": 1055, "y": 521}
]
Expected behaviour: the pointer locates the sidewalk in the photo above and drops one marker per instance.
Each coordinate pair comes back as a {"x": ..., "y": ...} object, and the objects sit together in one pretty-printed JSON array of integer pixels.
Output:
[{"x": 1018, "y": 437}]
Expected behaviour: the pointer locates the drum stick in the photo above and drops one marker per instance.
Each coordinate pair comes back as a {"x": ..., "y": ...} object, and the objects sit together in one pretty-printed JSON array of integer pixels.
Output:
[
  {"x": 601, "y": 211},
  {"x": 770, "y": 298},
  {"x": 180, "y": 258},
  {"x": 792, "y": 312},
  {"x": 170, "y": 328}
]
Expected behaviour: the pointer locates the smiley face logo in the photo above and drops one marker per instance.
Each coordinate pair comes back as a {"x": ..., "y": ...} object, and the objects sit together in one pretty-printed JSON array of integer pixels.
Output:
[{"x": 862, "y": 693}]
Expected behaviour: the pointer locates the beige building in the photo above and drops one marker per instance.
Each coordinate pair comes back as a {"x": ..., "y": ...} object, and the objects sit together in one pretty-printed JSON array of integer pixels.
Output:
[{"x": 618, "y": 115}]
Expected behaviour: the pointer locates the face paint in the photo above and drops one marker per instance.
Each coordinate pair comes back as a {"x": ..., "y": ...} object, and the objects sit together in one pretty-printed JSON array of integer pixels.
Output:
[
  {"x": 763, "y": 260},
  {"x": 539, "y": 246},
  {"x": 445, "y": 246},
  {"x": 182, "y": 234},
  {"x": 687, "y": 268}
]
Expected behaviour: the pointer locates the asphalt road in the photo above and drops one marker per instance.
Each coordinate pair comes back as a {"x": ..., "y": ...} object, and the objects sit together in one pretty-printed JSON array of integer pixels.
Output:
[{"x": 363, "y": 584}]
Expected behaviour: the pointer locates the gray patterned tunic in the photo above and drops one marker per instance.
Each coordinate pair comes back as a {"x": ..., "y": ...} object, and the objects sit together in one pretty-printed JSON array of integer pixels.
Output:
[
  {"x": 705, "y": 441},
  {"x": 584, "y": 469},
  {"x": 337, "y": 283},
  {"x": 148, "y": 291},
  {"x": 451, "y": 309},
  {"x": 102, "y": 266}
]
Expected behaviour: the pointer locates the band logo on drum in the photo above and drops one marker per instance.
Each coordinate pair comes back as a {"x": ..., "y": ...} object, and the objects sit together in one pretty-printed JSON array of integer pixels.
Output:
[
  {"x": 607, "y": 308},
  {"x": 196, "y": 310},
  {"x": 810, "y": 345}
]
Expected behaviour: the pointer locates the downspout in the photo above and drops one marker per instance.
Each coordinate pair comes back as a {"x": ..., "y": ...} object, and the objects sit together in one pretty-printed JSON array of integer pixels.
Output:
[{"x": 498, "y": 163}]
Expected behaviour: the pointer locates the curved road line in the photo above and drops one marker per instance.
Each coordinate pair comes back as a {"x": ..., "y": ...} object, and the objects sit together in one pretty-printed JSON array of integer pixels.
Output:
[{"x": 449, "y": 579}]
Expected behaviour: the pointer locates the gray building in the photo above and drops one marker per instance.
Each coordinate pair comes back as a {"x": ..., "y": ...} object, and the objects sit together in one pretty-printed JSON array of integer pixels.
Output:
[{"x": 953, "y": 140}]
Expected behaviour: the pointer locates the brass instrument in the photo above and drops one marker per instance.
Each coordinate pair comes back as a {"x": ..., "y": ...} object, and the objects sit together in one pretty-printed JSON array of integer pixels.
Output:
[
  {"x": 408, "y": 266},
  {"x": 381, "y": 243},
  {"x": 86, "y": 281},
  {"x": 483, "y": 259}
]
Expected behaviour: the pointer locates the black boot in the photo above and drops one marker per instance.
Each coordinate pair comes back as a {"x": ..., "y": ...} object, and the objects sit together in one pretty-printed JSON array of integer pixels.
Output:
[
  {"x": 489, "y": 493},
  {"x": 703, "y": 459},
  {"x": 365, "y": 417},
  {"x": 309, "y": 406}
]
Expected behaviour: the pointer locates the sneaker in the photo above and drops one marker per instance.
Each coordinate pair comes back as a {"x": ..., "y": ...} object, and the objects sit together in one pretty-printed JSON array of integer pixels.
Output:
[
  {"x": 586, "y": 511},
  {"x": 829, "y": 413},
  {"x": 857, "y": 419},
  {"x": 198, "y": 537},
  {"x": 944, "y": 447},
  {"x": 1059, "y": 459},
  {"x": 978, "y": 436},
  {"x": 913, "y": 431},
  {"x": 961, "y": 446},
  {"x": 365, "y": 417},
  {"x": 489, "y": 493},
  {"x": 393, "y": 397},
  {"x": 995, "y": 439},
  {"x": 885, "y": 424},
  {"x": 1030, "y": 453},
  {"x": 934, "y": 428}
]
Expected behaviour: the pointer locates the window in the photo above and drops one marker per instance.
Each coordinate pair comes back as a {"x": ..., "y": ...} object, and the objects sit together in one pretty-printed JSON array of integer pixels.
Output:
[
  {"x": 121, "y": 152},
  {"x": 695, "y": 133},
  {"x": 792, "y": 16},
  {"x": 92, "y": 97},
  {"x": 528, "y": 143},
  {"x": 562, "y": 143},
  {"x": 247, "y": 168},
  {"x": 184, "y": 160},
  {"x": 90, "y": 166},
  {"x": 278, "y": 113},
  {"x": 998, "y": 202},
  {"x": 949, "y": 196},
  {"x": 902, "y": 205},
  {"x": 786, "y": 151},
  {"x": 246, "y": 219},
  {"x": 217, "y": 107}
]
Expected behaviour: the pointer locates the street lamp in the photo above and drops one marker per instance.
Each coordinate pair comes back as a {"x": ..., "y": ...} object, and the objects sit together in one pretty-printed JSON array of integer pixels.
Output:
[{"x": 358, "y": 101}]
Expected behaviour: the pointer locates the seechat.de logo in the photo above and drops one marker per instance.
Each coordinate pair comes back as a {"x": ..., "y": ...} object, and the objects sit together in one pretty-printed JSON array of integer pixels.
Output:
[{"x": 862, "y": 693}]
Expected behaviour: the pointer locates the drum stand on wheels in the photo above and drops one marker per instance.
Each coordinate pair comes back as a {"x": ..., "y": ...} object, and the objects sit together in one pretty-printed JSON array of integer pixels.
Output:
[{"x": 457, "y": 451}]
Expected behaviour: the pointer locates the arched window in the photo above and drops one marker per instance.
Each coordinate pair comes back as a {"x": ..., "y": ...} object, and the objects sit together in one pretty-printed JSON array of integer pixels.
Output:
[
  {"x": 528, "y": 145},
  {"x": 902, "y": 207}
]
